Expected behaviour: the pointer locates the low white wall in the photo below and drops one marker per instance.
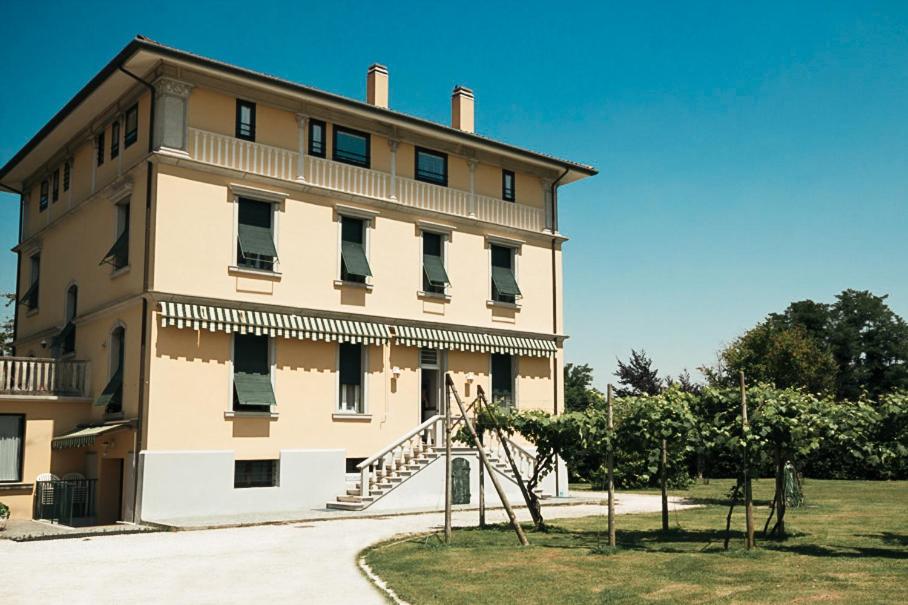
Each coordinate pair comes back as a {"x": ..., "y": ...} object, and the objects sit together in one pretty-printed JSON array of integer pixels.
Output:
[{"x": 184, "y": 484}]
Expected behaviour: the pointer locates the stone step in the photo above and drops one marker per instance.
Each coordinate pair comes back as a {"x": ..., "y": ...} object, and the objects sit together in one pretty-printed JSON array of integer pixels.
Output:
[
  {"x": 346, "y": 505},
  {"x": 351, "y": 498}
]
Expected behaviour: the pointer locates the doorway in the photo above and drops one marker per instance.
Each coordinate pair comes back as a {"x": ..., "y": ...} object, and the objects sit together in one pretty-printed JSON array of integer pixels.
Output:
[
  {"x": 430, "y": 369},
  {"x": 110, "y": 501}
]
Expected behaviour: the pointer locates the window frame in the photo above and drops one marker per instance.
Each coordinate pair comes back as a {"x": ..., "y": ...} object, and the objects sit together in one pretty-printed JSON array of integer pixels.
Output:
[
  {"x": 99, "y": 144},
  {"x": 114, "y": 139},
  {"x": 505, "y": 173},
  {"x": 421, "y": 177},
  {"x": 335, "y": 130},
  {"x": 425, "y": 286},
  {"x": 130, "y": 136},
  {"x": 22, "y": 437},
  {"x": 35, "y": 276},
  {"x": 515, "y": 253},
  {"x": 116, "y": 363},
  {"x": 67, "y": 175},
  {"x": 240, "y": 104},
  {"x": 272, "y": 370},
  {"x": 44, "y": 195},
  {"x": 55, "y": 186},
  {"x": 367, "y": 224},
  {"x": 363, "y": 407},
  {"x": 310, "y": 139},
  {"x": 513, "y": 378},
  {"x": 275, "y": 472},
  {"x": 240, "y": 263}
]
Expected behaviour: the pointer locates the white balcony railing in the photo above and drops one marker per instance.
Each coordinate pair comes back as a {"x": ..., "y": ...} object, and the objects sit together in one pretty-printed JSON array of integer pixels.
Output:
[
  {"x": 280, "y": 163},
  {"x": 34, "y": 376}
]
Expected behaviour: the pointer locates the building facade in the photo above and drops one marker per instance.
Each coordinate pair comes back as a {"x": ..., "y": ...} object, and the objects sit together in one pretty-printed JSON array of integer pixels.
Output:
[{"x": 234, "y": 290}]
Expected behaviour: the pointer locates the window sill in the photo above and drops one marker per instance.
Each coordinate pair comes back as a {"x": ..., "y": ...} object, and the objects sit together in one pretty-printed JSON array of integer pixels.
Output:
[
  {"x": 502, "y": 305},
  {"x": 232, "y": 414},
  {"x": 439, "y": 296},
  {"x": 250, "y": 272},
  {"x": 351, "y": 417},
  {"x": 118, "y": 272},
  {"x": 15, "y": 486},
  {"x": 340, "y": 283}
]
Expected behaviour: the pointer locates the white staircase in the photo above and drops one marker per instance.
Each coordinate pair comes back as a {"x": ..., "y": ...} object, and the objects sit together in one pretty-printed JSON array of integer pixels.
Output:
[{"x": 414, "y": 451}]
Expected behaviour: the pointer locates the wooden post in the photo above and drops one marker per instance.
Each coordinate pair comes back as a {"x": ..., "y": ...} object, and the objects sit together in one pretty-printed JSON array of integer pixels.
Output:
[
  {"x": 485, "y": 461},
  {"x": 663, "y": 482},
  {"x": 447, "y": 465},
  {"x": 610, "y": 461},
  {"x": 482, "y": 491},
  {"x": 748, "y": 501}
]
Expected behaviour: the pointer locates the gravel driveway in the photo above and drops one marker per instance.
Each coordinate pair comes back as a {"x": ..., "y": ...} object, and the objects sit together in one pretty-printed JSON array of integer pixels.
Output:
[{"x": 294, "y": 563}]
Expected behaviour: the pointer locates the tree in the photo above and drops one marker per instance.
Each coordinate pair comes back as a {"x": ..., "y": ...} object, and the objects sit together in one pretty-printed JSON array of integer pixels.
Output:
[
  {"x": 684, "y": 382},
  {"x": 782, "y": 355},
  {"x": 637, "y": 376},
  {"x": 579, "y": 394},
  {"x": 7, "y": 328}
]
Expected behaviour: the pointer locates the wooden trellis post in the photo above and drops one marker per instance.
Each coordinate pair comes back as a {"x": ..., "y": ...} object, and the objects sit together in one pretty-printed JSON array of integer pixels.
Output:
[
  {"x": 748, "y": 500},
  {"x": 610, "y": 461}
]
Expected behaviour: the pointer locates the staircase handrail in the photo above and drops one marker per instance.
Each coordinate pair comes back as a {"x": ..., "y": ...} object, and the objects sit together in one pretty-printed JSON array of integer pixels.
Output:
[{"x": 400, "y": 440}]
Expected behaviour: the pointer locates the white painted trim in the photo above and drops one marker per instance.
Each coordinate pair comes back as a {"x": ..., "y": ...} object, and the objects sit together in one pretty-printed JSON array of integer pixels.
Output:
[
  {"x": 257, "y": 193},
  {"x": 423, "y": 225},
  {"x": 504, "y": 241}
]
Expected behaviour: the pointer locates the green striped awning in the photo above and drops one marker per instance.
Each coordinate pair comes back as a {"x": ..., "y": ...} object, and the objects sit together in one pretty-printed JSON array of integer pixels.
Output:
[
  {"x": 474, "y": 341},
  {"x": 286, "y": 325},
  {"x": 85, "y": 436}
]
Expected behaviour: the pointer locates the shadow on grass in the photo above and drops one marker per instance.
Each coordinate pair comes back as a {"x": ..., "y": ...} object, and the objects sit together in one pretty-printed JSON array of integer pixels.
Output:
[
  {"x": 724, "y": 502},
  {"x": 838, "y": 552},
  {"x": 888, "y": 537}
]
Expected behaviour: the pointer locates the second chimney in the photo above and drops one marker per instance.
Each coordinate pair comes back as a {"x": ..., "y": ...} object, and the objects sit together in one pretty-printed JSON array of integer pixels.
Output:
[
  {"x": 462, "y": 109},
  {"x": 377, "y": 85}
]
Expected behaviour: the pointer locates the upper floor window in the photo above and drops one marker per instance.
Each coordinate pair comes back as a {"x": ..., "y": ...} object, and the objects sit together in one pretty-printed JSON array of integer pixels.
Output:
[
  {"x": 255, "y": 235},
  {"x": 114, "y": 140},
  {"x": 508, "y": 186},
  {"x": 65, "y": 340},
  {"x": 504, "y": 282},
  {"x": 351, "y": 147},
  {"x": 317, "y": 138},
  {"x": 431, "y": 167},
  {"x": 30, "y": 298},
  {"x": 502, "y": 379},
  {"x": 354, "y": 263},
  {"x": 350, "y": 378},
  {"x": 112, "y": 395},
  {"x": 252, "y": 388},
  {"x": 132, "y": 126},
  {"x": 99, "y": 144},
  {"x": 67, "y": 168},
  {"x": 12, "y": 447},
  {"x": 118, "y": 255},
  {"x": 55, "y": 188},
  {"x": 42, "y": 201},
  {"x": 245, "y": 120},
  {"x": 434, "y": 277}
]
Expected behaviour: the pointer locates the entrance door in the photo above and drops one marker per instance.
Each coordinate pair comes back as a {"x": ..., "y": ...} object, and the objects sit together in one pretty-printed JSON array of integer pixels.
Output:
[
  {"x": 110, "y": 491},
  {"x": 430, "y": 383}
]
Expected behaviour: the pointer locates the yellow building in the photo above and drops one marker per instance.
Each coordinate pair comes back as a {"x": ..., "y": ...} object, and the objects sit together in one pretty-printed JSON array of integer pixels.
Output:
[{"x": 235, "y": 290}]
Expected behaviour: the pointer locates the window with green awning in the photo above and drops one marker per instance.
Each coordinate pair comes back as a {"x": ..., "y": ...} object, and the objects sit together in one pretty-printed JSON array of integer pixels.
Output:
[
  {"x": 118, "y": 255},
  {"x": 255, "y": 235},
  {"x": 504, "y": 283},
  {"x": 112, "y": 395},
  {"x": 252, "y": 389},
  {"x": 435, "y": 278},
  {"x": 354, "y": 264}
]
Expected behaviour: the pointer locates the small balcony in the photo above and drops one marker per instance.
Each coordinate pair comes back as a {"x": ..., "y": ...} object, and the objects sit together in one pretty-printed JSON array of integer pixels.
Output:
[
  {"x": 37, "y": 377},
  {"x": 280, "y": 163}
]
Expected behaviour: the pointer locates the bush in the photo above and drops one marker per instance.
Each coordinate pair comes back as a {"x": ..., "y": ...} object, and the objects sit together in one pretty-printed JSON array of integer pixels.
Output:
[{"x": 4, "y": 511}]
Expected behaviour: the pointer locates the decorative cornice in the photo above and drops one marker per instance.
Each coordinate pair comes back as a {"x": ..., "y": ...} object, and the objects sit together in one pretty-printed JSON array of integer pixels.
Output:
[{"x": 173, "y": 88}]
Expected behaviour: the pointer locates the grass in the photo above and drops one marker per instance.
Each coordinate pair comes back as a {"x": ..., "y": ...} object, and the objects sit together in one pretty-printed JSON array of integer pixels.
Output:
[{"x": 847, "y": 544}]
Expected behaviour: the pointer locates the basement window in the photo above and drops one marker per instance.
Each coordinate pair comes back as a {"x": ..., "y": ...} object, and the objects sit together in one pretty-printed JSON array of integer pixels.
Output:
[{"x": 255, "y": 473}]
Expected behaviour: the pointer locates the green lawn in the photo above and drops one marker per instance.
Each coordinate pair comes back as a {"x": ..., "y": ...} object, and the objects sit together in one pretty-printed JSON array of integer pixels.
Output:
[{"x": 848, "y": 544}]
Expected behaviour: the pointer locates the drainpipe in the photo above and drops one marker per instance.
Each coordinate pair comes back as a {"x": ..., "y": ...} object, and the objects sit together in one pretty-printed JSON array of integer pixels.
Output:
[
  {"x": 18, "y": 271},
  {"x": 139, "y": 441},
  {"x": 555, "y": 376}
]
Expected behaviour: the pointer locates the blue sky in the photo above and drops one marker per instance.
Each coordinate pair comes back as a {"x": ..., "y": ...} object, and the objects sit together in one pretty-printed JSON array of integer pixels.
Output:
[{"x": 751, "y": 154}]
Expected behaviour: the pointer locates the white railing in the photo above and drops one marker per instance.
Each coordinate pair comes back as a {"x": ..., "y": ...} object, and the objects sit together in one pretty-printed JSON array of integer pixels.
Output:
[
  {"x": 34, "y": 376},
  {"x": 523, "y": 459},
  {"x": 280, "y": 163},
  {"x": 246, "y": 156},
  {"x": 373, "y": 470},
  {"x": 347, "y": 178}
]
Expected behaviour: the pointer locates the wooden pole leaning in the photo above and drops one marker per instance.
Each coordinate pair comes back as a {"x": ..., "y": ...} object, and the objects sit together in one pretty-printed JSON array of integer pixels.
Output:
[
  {"x": 610, "y": 462},
  {"x": 448, "y": 498},
  {"x": 748, "y": 496},
  {"x": 521, "y": 536}
]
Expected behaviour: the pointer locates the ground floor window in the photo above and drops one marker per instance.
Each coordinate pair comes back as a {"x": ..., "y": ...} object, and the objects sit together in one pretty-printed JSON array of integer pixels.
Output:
[
  {"x": 12, "y": 440},
  {"x": 252, "y": 389},
  {"x": 503, "y": 379},
  {"x": 255, "y": 473},
  {"x": 350, "y": 371}
]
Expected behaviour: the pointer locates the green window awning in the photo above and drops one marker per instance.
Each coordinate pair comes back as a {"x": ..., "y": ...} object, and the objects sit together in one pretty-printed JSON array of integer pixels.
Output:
[
  {"x": 86, "y": 436},
  {"x": 256, "y": 242},
  {"x": 434, "y": 269},
  {"x": 253, "y": 388},
  {"x": 354, "y": 258},
  {"x": 30, "y": 298},
  {"x": 112, "y": 395},
  {"x": 60, "y": 338},
  {"x": 476, "y": 342},
  {"x": 504, "y": 282},
  {"x": 118, "y": 255}
]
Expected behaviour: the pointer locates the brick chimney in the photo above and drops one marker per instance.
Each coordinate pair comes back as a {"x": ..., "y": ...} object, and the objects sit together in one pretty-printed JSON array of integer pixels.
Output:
[
  {"x": 377, "y": 85},
  {"x": 462, "y": 109}
]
